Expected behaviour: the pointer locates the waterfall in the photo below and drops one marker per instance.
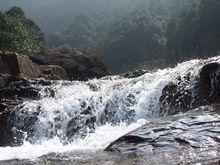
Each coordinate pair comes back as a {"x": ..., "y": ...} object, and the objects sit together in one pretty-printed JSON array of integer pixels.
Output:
[{"x": 91, "y": 114}]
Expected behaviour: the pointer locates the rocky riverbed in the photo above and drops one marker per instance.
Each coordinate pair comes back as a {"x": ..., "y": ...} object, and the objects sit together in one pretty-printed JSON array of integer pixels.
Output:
[
  {"x": 191, "y": 138},
  {"x": 166, "y": 117}
]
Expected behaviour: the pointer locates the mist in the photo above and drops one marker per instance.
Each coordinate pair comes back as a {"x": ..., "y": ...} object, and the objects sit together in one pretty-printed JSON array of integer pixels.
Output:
[
  {"x": 128, "y": 34},
  {"x": 52, "y": 15}
]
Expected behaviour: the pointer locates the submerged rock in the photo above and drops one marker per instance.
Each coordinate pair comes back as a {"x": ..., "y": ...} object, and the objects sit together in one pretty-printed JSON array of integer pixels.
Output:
[{"x": 175, "y": 99}]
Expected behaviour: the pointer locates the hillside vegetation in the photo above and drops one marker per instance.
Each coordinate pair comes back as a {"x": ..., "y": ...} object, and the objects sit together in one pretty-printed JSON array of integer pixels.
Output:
[
  {"x": 19, "y": 34},
  {"x": 149, "y": 34},
  {"x": 125, "y": 34}
]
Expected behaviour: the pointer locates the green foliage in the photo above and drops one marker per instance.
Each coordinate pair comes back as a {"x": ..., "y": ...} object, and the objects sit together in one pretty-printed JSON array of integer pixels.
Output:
[
  {"x": 86, "y": 32},
  {"x": 16, "y": 12},
  {"x": 123, "y": 37},
  {"x": 134, "y": 37},
  {"x": 195, "y": 32},
  {"x": 19, "y": 34},
  {"x": 151, "y": 33}
]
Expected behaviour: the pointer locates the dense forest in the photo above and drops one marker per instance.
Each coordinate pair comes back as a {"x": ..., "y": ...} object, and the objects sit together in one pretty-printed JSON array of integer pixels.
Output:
[
  {"x": 19, "y": 34},
  {"x": 126, "y": 34}
]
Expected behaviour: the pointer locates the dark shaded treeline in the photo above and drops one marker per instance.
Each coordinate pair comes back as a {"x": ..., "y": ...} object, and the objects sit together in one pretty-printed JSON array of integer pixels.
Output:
[
  {"x": 195, "y": 32},
  {"x": 133, "y": 34},
  {"x": 153, "y": 35},
  {"x": 127, "y": 37}
]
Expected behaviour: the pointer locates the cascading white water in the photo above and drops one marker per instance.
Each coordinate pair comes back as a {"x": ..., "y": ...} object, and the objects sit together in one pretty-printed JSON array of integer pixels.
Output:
[{"x": 117, "y": 105}]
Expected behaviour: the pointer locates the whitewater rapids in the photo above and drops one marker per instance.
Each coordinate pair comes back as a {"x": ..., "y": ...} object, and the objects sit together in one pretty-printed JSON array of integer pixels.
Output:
[{"x": 129, "y": 102}]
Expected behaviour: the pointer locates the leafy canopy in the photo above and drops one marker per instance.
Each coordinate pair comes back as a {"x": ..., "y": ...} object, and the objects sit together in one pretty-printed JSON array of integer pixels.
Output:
[{"x": 19, "y": 34}]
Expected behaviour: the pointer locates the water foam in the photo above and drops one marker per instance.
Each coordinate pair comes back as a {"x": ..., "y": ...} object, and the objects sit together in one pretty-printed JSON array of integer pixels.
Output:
[
  {"x": 95, "y": 141},
  {"x": 112, "y": 99}
]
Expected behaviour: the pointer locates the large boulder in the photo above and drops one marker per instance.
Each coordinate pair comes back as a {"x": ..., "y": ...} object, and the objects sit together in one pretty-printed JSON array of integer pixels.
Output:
[
  {"x": 20, "y": 65},
  {"x": 78, "y": 64},
  {"x": 178, "y": 97},
  {"x": 23, "y": 66},
  {"x": 208, "y": 88},
  {"x": 53, "y": 72},
  {"x": 196, "y": 131}
]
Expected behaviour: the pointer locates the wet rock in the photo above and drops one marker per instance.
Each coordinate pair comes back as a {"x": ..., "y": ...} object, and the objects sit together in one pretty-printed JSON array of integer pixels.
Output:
[
  {"x": 178, "y": 97},
  {"x": 6, "y": 108},
  {"x": 41, "y": 81},
  {"x": 209, "y": 83},
  {"x": 4, "y": 135},
  {"x": 15, "y": 90},
  {"x": 3, "y": 68},
  {"x": 53, "y": 72},
  {"x": 175, "y": 98},
  {"x": 93, "y": 87},
  {"x": 134, "y": 74},
  {"x": 82, "y": 124},
  {"x": 78, "y": 64},
  {"x": 3, "y": 80},
  {"x": 21, "y": 124},
  {"x": 17, "y": 87},
  {"x": 199, "y": 131},
  {"x": 111, "y": 115}
]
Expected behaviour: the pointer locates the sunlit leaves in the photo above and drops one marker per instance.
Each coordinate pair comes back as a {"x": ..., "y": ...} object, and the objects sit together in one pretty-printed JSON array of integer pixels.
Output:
[{"x": 18, "y": 34}]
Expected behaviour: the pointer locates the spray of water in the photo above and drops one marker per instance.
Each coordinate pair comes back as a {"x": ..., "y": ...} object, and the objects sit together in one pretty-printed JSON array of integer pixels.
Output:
[{"x": 93, "y": 113}]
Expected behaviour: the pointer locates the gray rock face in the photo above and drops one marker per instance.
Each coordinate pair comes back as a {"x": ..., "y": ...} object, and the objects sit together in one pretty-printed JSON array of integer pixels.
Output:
[
  {"x": 195, "y": 131},
  {"x": 78, "y": 64}
]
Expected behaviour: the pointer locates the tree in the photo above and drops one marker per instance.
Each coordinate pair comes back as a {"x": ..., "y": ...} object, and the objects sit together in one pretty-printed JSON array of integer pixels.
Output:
[
  {"x": 195, "y": 32},
  {"x": 19, "y": 34}
]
